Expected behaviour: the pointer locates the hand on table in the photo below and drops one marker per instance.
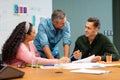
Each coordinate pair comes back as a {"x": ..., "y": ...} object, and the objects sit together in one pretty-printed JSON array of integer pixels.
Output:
[
  {"x": 64, "y": 60},
  {"x": 96, "y": 59}
]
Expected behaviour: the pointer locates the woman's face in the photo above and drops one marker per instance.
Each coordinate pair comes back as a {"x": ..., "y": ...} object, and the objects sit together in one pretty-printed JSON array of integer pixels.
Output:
[{"x": 32, "y": 34}]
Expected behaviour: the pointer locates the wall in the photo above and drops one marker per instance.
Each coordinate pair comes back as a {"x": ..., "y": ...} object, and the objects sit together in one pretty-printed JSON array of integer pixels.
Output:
[
  {"x": 78, "y": 12},
  {"x": 26, "y": 10}
]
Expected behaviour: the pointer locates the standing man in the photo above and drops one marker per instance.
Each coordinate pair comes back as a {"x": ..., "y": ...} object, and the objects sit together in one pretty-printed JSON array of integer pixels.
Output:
[
  {"x": 50, "y": 32},
  {"x": 94, "y": 42}
]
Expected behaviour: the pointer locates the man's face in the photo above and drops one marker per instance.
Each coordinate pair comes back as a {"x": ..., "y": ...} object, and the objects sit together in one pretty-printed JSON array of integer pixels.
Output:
[
  {"x": 60, "y": 24},
  {"x": 90, "y": 30}
]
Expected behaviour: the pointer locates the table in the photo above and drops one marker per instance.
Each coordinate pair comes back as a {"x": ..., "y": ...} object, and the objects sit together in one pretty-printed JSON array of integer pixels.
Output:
[{"x": 64, "y": 74}]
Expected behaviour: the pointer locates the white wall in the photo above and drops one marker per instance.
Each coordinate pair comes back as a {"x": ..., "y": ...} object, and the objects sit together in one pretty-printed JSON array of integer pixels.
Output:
[{"x": 9, "y": 19}]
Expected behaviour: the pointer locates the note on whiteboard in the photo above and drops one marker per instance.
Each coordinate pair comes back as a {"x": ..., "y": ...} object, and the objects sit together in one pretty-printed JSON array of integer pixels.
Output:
[{"x": 85, "y": 60}]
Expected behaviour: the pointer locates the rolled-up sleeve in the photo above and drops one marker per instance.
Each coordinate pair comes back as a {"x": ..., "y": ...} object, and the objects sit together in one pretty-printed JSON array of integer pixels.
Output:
[{"x": 67, "y": 34}]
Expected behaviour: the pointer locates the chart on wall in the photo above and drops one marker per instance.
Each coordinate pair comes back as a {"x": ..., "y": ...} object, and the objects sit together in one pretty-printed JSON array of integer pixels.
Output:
[{"x": 13, "y": 12}]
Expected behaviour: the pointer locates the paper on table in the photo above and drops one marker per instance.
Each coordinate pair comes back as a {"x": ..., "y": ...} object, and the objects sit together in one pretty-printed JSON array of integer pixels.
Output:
[
  {"x": 112, "y": 64},
  {"x": 85, "y": 60},
  {"x": 91, "y": 71},
  {"x": 79, "y": 65}
]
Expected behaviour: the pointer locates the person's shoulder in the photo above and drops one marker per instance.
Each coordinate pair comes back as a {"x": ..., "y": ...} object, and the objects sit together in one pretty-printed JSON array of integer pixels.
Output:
[
  {"x": 67, "y": 22},
  {"x": 21, "y": 46},
  {"x": 48, "y": 19},
  {"x": 102, "y": 36},
  {"x": 81, "y": 37},
  {"x": 31, "y": 43},
  {"x": 45, "y": 21}
]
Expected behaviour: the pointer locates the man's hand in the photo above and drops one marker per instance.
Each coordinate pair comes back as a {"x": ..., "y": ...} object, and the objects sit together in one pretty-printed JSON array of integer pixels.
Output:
[
  {"x": 64, "y": 60},
  {"x": 96, "y": 59},
  {"x": 77, "y": 54}
]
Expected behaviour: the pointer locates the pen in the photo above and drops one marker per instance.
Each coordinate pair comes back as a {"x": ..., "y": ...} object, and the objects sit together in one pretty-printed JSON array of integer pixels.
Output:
[{"x": 48, "y": 64}]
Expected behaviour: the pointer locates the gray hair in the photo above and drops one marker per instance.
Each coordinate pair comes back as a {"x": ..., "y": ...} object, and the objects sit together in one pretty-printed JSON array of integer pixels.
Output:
[{"x": 57, "y": 15}]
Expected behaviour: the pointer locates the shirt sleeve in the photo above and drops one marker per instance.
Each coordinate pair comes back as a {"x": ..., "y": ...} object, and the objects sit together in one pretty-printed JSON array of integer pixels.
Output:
[
  {"x": 67, "y": 34},
  {"x": 25, "y": 55},
  {"x": 109, "y": 47},
  {"x": 75, "y": 49},
  {"x": 42, "y": 35}
]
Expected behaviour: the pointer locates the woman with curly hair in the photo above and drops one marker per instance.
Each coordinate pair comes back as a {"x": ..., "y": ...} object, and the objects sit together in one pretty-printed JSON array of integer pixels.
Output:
[{"x": 19, "y": 47}]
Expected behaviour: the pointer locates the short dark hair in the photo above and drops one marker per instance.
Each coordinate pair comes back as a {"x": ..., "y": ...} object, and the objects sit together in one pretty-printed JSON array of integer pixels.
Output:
[
  {"x": 58, "y": 15},
  {"x": 95, "y": 21}
]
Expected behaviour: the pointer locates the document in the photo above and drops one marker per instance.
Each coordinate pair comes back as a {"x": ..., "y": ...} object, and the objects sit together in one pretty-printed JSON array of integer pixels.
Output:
[
  {"x": 79, "y": 65},
  {"x": 112, "y": 64},
  {"x": 85, "y": 60},
  {"x": 91, "y": 71}
]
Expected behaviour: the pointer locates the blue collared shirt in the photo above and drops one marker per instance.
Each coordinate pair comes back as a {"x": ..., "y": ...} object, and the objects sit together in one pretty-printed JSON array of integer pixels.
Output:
[{"x": 48, "y": 36}]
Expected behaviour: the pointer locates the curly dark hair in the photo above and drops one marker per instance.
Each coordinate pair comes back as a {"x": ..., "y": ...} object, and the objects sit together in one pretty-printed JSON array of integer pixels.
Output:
[{"x": 11, "y": 45}]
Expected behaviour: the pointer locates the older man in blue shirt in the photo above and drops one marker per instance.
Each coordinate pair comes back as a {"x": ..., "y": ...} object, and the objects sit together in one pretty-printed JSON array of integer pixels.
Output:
[{"x": 50, "y": 32}]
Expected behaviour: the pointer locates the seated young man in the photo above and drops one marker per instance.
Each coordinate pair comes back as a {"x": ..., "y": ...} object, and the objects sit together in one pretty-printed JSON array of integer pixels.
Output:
[{"x": 93, "y": 42}]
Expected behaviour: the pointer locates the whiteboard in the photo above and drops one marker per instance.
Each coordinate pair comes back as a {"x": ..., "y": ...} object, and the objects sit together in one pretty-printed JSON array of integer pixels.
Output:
[{"x": 36, "y": 9}]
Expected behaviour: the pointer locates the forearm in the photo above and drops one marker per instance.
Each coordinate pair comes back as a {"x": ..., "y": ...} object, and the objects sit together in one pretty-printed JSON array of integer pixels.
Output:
[
  {"x": 46, "y": 61},
  {"x": 48, "y": 52},
  {"x": 66, "y": 50}
]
